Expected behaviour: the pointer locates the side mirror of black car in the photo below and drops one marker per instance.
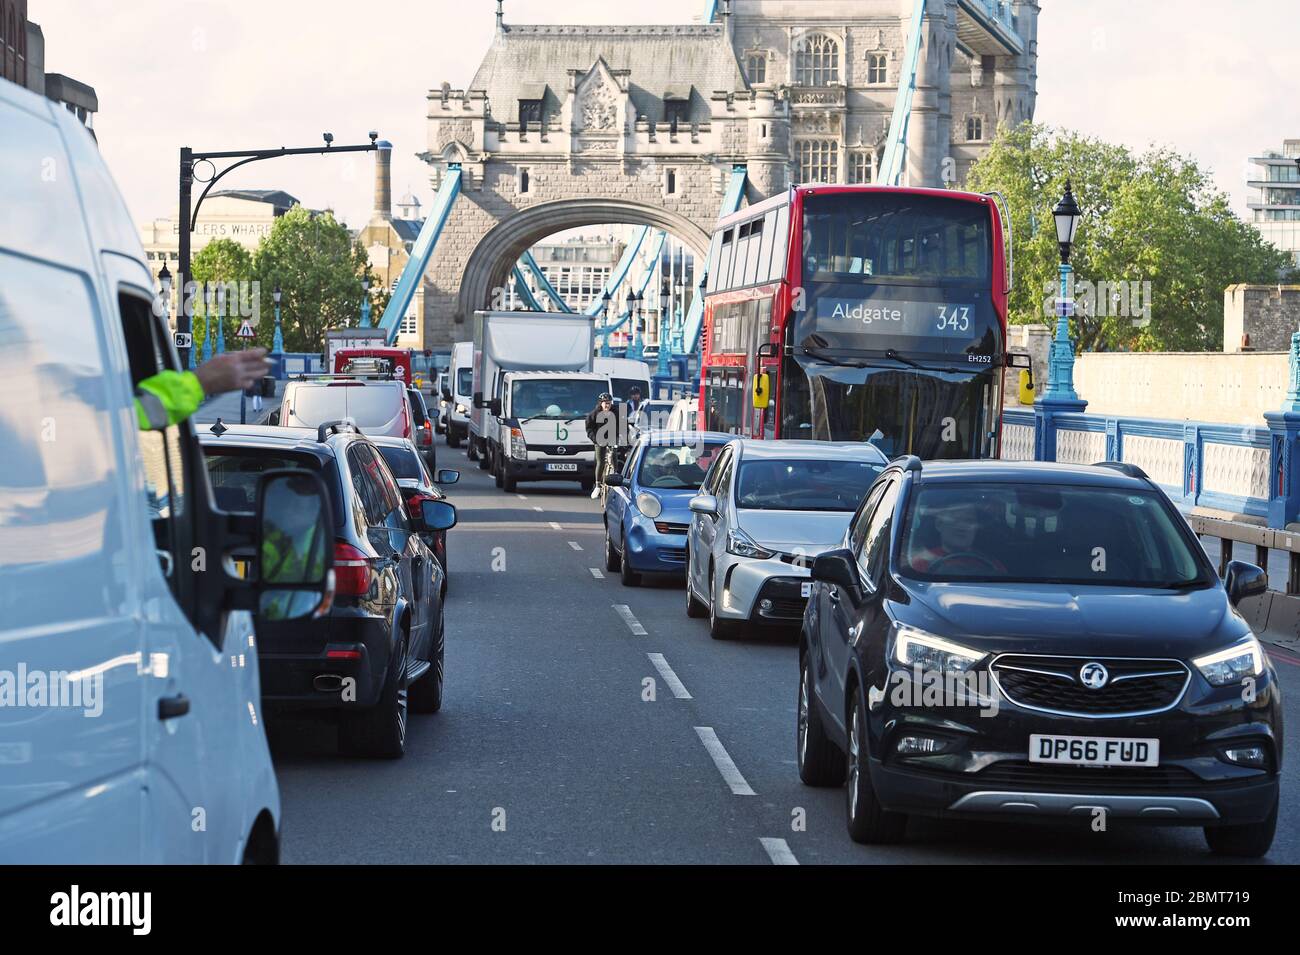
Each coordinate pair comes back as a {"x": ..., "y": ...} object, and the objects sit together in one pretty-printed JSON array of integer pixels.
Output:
[
  {"x": 447, "y": 476},
  {"x": 438, "y": 515},
  {"x": 295, "y": 545},
  {"x": 1244, "y": 580},
  {"x": 836, "y": 567}
]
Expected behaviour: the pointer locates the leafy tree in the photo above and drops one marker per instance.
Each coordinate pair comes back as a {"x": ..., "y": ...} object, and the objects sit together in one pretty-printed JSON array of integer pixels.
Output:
[
  {"x": 319, "y": 269},
  {"x": 1154, "y": 217},
  {"x": 227, "y": 262}
]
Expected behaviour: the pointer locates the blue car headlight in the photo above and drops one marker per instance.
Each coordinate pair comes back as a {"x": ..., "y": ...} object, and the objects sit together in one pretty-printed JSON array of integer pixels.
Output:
[{"x": 649, "y": 505}]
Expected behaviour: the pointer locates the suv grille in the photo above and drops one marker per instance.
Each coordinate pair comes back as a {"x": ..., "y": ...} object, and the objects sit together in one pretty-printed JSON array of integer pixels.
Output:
[{"x": 1132, "y": 687}]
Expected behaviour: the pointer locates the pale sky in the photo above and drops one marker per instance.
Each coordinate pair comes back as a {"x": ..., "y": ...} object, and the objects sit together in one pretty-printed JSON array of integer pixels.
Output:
[{"x": 1216, "y": 80}]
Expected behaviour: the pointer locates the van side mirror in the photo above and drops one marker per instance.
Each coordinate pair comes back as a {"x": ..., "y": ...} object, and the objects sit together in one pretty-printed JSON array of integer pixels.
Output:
[
  {"x": 478, "y": 400},
  {"x": 836, "y": 567},
  {"x": 1243, "y": 581},
  {"x": 274, "y": 418},
  {"x": 437, "y": 515},
  {"x": 494, "y": 406},
  {"x": 295, "y": 545},
  {"x": 446, "y": 476}
]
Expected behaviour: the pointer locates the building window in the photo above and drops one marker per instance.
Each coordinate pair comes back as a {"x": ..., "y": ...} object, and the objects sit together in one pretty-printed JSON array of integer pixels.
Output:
[
  {"x": 756, "y": 67},
  {"x": 677, "y": 112},
  {"x": 530, "y": 113},
  {"x": 877, "y": 68},
  {"x": 974, "y": 128},
  {"x": 817, "y": 61},
  {"x": 525, "y": 181},
  {"x": 670, "y": 182},
  {"x": 818, "y": 161},
  {"x": 408, "y": 326},
  {"x": 862, "y": 166}
]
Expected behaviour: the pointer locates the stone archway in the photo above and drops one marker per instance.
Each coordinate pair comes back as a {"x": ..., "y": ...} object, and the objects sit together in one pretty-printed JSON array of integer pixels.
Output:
[{"x": 496, "y": 253}]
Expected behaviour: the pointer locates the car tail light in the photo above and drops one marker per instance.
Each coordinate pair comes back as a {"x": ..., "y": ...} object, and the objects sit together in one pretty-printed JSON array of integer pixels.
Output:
[{"x": 352, "y": 573}]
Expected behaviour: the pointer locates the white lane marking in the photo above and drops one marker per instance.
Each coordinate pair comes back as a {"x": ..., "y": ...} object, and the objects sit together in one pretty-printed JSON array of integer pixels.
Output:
[
  {"x": 633, "y": 624},
  {"x": 536, "y": 508},
  {"x": 556, "y": 527},
  {"x": 596, "y": 573},
  {"x": 730, "y": 774},
  {"x": 575, "y": 545},
  {"x": 521, "y": 497},
  {"x": 779, "y": 851},
  {"x": 665, "y": 671}
]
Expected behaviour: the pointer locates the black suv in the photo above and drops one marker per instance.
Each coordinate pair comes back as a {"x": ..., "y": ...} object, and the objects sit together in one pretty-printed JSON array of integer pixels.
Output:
[
  {"x": 1027, "y": 639},
  {"x": 381, "y": 642}
]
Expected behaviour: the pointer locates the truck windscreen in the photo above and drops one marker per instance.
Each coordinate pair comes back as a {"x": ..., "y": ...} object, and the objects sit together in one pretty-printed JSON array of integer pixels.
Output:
[{"x": 555, "y": 397}]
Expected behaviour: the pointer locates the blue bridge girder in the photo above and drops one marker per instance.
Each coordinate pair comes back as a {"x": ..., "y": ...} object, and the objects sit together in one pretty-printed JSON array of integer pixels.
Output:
[
  {"x": 421, "y": 252},
  {"x": 605, "y": 330},
  {"x": 530, "y": 265}
]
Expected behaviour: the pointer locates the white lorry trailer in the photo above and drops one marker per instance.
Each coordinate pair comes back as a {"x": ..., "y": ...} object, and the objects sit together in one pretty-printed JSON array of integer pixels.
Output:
[{"x": 533, "y": 386}]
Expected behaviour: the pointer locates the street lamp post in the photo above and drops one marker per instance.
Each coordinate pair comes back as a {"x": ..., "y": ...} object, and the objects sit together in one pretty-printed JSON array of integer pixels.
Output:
[
  {"x": 1060, "y": 378},
  {"x": 165, "y": 281},
  {"x": 604, "y": 322},
  {"x": 221, "y": 318},
  {"x": 199, "y": 166},
  {"x": 665, "y": 319},
  {"x": 277, "y": 344},
  {"x": 365, "y": 303},
  {"x": 634, "y": 333},
  {"x": 207, "y": 322}
]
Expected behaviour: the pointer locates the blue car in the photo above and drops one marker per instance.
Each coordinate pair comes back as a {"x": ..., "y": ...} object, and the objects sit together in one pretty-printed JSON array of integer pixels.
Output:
[{"x": 646, "y": 516}]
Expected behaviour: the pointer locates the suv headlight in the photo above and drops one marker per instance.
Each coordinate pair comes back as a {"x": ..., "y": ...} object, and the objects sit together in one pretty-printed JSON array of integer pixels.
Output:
[
  {"x": 518, "y": 447},
  {"x": 916, "y": 648},
  {"x": 461, "y": 409},
  {"x": 649, "y": 505},
  {"x": 742, "y": 545},
  {"x": 1232, "y": 664}
]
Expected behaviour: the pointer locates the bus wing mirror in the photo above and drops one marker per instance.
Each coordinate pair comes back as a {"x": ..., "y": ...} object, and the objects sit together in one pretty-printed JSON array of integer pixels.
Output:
[
  {"x": 1018, "y": 360},
  {"x": 762, "y": 390}
]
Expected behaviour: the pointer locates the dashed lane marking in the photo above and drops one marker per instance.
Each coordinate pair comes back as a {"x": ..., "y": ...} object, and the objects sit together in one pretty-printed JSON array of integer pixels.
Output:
[
  {"x": 778, "y": 850},
  {"x": 665, "y": 671},
  {"x": 730, "y": 774},
  {"x": 629, "y": 618}
]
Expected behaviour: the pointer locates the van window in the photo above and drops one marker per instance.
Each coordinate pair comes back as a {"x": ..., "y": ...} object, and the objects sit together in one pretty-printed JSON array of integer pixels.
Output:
[
  {"x": 166, "y": 480},
  {"x": 369, "y": 406}
]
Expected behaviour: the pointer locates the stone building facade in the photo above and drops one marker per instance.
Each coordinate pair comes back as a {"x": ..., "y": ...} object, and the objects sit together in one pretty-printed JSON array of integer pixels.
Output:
[
  {"x": 1260, "y": 317},
  {"x": 569, "y": 126}
]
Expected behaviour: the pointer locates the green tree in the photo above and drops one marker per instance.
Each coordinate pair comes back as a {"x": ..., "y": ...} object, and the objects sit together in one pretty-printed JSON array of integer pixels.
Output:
[
  {"x": 1153, "y": 217},
  {"x": 319, "y": 269},
  {"x": 227, "y": 262}
]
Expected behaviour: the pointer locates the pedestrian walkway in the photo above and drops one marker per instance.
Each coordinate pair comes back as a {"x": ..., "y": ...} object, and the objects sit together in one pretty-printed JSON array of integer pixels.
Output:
[{"x": 226, "y": 407}]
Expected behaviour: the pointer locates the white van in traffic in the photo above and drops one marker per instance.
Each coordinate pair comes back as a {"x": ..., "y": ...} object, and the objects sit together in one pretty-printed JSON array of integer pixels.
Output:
[
  {"x": 624, "y": 375},
  {"x": 130, "y": 720},
  {"x": 460, "y": 393}
]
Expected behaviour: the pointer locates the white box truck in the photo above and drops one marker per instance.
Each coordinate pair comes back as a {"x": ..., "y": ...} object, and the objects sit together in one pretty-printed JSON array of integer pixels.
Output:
[{"x": 545, "y": 408}]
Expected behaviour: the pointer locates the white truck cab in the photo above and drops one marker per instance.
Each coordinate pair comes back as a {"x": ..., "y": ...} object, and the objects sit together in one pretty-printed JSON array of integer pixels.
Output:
[
  {"x": 130, "y": 712},
  {"x": 460, "y": 392},
  {"x": 542, "y": 431}
]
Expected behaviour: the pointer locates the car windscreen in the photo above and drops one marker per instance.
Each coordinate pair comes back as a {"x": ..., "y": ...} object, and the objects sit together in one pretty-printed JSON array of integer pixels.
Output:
[
  {"x": 560, "y": 398},
  {"x": 676, "y": 467},
  {"x": 235, "y": 472},
  {"x": 1048, "y": 534},
  {"x": 621, "y": 388},
  {"x": 403, "y": 462},
  {"x": 804, "y": 485},
  {"x": 369, "y": 406}
]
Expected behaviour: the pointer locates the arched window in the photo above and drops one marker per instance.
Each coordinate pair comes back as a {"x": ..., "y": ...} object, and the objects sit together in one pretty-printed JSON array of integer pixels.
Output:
[
  {"x": 877, "y": 68},
  {"x": 974, "y": 128},
  {"x": 817, "y": 160},
  {"x": 816, "y": 61},
  {"x": 756, "y": 68}
]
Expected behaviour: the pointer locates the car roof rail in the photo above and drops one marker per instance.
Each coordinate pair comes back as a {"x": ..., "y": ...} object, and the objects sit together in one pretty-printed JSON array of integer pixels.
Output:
[
  {"x": 336, "y": 427},
  {"x": 1124, "y": 467},
  {"x": 908, "y": 462}
]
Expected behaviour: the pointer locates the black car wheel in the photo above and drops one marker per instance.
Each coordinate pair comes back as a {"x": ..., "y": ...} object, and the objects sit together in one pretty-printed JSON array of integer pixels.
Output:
[
  {"x": 498, "y": 470},
  {"x": 1248, "y": 841},
  {"x": 868, "y": 822},
  {"x": 426, "y": 692},
  {"x": 613, "y": 561},
  {"x": 381, "y": 729},
  {"x": 481, "y": 455},
  {"x": 508, "y": 482},
  {"x": 626, "y": 575},
  {"x": 719, "y": 628},
  {"x": 821, "y": 763}
]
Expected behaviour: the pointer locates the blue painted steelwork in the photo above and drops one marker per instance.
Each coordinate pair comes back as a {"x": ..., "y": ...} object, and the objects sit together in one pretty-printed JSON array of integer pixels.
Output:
[
  {"x": 891, "y": 164},
  {"x": 711, "y": 11},
  {"x": 645, "y": 282},
  {"x": 694, "y": 322},
  {"x": 421, "y": 252},
  {"x": 1060, "y": 374},
  {"x": 526, "y": 293},
  {"x": 543, "y": 282},
  {"x": 620, "y": 271}
]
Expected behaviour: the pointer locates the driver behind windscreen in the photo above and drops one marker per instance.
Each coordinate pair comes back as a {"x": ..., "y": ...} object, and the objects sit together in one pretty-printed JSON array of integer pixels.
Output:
[{"x": 955, "y": 551}]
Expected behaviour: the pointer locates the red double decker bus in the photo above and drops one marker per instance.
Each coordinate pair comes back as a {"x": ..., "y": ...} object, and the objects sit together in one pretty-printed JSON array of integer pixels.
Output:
[{"x": 859, "y": 313}]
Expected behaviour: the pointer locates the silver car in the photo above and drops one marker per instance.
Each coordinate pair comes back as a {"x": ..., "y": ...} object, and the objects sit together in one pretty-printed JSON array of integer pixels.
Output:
[{"x": 765, "y": 510}]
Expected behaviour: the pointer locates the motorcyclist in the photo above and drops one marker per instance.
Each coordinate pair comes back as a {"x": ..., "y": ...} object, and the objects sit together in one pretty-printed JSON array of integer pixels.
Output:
[{"x": 602, "y": 428}]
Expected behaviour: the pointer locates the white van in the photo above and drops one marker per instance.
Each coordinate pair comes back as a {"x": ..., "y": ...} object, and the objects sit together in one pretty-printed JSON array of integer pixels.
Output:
[
  {"x": 624, "y": 375},
  {"x": 460, "y": 393},
  {"x": 130, "y": 720}
]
